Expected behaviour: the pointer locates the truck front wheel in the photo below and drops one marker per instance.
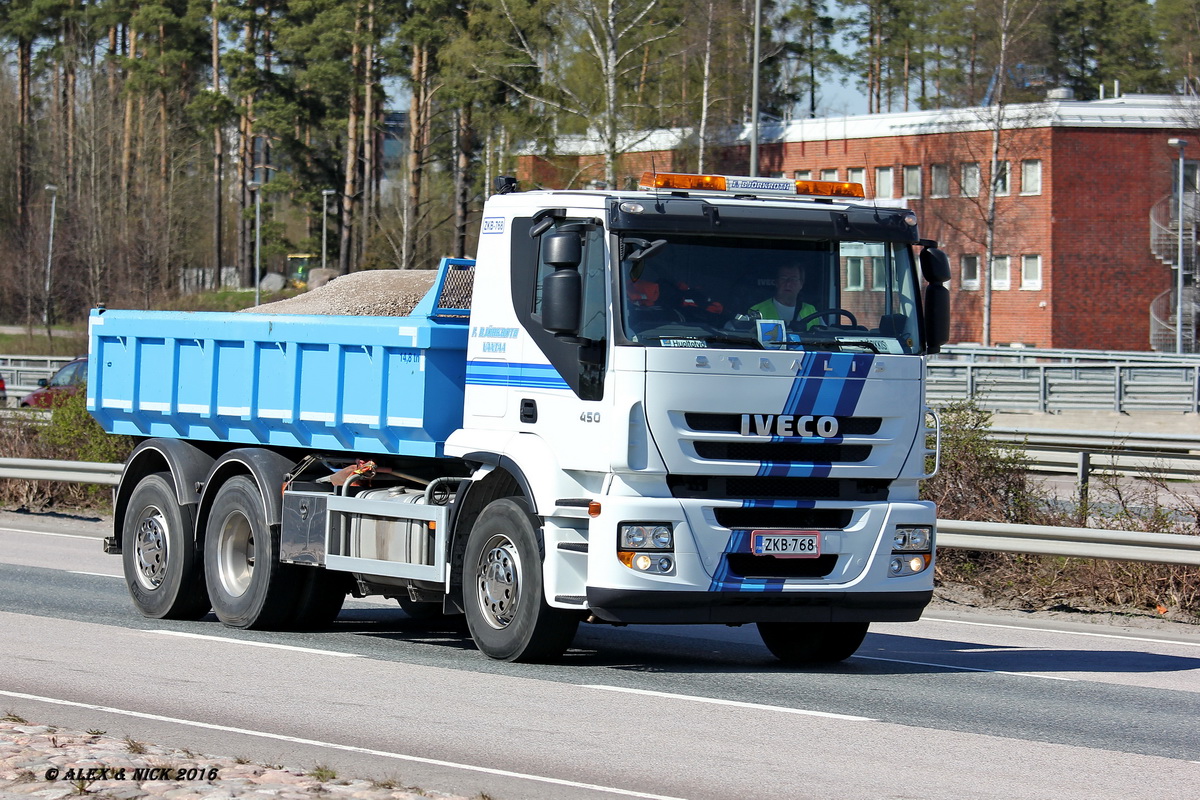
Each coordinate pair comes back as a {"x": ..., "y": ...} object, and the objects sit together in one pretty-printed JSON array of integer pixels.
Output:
[
  {"x": 505, "y": 605},
  {"x": 247, "y": 584},
  {"x": 158, "y": 552},
  {"x": 812, "y": 642}
]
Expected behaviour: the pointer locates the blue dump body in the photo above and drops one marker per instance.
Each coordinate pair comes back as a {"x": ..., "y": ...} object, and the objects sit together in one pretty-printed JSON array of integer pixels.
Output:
[{"x": 363, "y": 384}]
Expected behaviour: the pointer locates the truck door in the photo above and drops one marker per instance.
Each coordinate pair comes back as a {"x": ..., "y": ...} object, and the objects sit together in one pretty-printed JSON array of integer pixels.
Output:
[{"x": 564, "y": 397}]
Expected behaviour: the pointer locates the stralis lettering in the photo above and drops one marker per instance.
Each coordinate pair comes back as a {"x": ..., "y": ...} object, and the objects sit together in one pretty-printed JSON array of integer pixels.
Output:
[{"x": 788, "y": 425}]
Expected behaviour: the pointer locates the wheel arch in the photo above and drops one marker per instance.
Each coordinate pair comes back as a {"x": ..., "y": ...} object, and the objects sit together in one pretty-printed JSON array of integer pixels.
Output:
[
  {"x": 186, "y": 464},
  {"x": 265, "y": 467},
  {"x": 498, "y": 477}
]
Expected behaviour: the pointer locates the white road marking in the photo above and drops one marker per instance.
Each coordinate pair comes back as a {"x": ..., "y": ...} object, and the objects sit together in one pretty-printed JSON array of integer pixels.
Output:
[
  {"x": 1065, "y": 633},
  {"x": 967, "y": 669},
  {"x": 255, "y": 644},
  {"x": 335, "y": 746},
  {"x": 735, "y": 703},
  {"x": 47, "y": 533},
  {"x": 96, "y": 574}
]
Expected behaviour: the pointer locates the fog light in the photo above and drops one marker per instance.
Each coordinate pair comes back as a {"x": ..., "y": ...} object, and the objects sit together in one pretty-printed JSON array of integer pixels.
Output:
[
  {"x": 665, "y": 564},
  {"x": 901, "y": 565},
  {"x": 643, "y": 562}
]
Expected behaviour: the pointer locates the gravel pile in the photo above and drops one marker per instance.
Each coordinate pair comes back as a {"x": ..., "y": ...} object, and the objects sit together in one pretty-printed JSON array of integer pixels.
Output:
[
  {"x": 371, "y": 293},
  {"x": 48, "y": 763}
]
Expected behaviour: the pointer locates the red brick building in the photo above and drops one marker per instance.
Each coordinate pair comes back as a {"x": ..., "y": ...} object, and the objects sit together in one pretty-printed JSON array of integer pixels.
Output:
[{"x": 1074, "y": 262}]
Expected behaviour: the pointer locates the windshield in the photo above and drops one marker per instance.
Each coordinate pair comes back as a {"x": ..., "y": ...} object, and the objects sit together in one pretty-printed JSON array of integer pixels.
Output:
[{"x": 705, "y": 291}]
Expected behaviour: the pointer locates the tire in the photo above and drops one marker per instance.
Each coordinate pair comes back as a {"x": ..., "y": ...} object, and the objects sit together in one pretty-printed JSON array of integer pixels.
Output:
[
  {"x": 812, "y": 642},
  {"x": 506, "y": 608},
  {"x": 320, "y": 596},
  {"x": 164, "y": 576},
  {"x": 247, "y": 584}
]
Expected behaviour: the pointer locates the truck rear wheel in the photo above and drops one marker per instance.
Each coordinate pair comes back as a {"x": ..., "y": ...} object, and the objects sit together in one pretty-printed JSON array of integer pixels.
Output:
[
  {"x": 158, "y": 552},
  {"x": 506, "y": 608},
  {"x": 320, "y": 596},
  {"x": 247, "y": 584},
  {"x": 812, "y": 642}
]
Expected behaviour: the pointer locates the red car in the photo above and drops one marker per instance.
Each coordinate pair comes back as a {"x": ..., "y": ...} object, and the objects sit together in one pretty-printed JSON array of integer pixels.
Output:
[{"x": 67, "y": 381}]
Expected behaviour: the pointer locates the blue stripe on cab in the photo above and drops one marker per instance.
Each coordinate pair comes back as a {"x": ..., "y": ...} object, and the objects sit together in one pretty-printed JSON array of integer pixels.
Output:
[{"x": 502, "y": 373}]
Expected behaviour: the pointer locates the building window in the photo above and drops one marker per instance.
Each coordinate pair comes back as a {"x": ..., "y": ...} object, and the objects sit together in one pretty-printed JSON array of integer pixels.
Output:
[
  {"x": 802, "y": 174},
  {"x": 854, "y": 274},
  {"x": 912, "y": 181},
  {"x": 970, "y": 180},
  {"x": 970, "y": 273},
  {"x": 1031, "y": 272},
  {"x": 1000, "y": 273},
  {"x": 857, "y": 175},
  {"x": 1031, "y": 176},
  {"x": 829, "y": 175},
  {"x": 939, "y": 179},
  {"x": 883, "y": 182},
  {"x": 878, "y": 275},
  {"x": 1001, "y": 182}
]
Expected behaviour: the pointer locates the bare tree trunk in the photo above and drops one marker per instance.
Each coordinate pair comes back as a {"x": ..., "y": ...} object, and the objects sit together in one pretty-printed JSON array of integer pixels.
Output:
[
  {"x": 462, "y": 184},
  {"x": 24, "y": 117},
  {"x": 418, "y": 137},
  {"x": 349, "y": 187},
  {"x": 369, "y": 131},
  {"x": 218, "y": 152},
  {"x": 127, "y": 137},
  {"x": 702, "y": 137}
]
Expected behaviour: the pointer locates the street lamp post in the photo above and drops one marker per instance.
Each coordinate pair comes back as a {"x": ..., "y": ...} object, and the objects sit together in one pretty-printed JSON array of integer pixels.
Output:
[
  {"x": 256, "y": 187},
  {"x": 1181, "y": 144},
  {"x": 53, "y": 190},
  {"x": 325, "y": 195}
]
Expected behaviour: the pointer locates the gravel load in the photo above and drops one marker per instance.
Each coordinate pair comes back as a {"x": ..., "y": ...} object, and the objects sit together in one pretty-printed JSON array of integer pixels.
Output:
[{"x": 371, "y": 293}]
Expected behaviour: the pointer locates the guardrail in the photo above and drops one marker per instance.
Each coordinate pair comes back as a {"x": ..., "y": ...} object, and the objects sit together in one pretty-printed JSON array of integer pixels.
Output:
[
  {"x": 1131, "y": 455},
  {"x": 1066, "y": 387},
  {"x": 1157, "y": 548},
  {"x": 35, "y": 469},
  {"x": 1160, "y": 548},
  {"x": 997, "y": 354}
]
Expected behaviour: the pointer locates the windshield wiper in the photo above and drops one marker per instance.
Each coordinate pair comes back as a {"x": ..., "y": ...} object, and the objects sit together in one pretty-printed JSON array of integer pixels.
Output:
[{"x": 837, "y": 345}]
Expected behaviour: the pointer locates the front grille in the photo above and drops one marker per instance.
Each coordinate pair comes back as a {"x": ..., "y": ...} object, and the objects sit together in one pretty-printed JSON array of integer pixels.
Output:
[
  {"x": 753, "y": 487},
  {"x": 732, "y": 423},
  {"x": 747, "y": 565},
  {"x": 784, "y": 518},
  {"x": 783, "y": 451}
]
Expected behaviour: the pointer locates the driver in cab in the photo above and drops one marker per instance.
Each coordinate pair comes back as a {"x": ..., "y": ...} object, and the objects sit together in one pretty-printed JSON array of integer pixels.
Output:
[{"x": 786, "y": 304}]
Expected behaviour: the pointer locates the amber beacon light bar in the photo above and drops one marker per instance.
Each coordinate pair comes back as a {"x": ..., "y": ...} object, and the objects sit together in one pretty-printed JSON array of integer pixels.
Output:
[{"x": 677, "y": 181}]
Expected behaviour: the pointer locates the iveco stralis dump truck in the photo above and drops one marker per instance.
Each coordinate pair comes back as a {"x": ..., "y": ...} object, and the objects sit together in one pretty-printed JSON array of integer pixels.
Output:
[{"x": 600, "y": 419}]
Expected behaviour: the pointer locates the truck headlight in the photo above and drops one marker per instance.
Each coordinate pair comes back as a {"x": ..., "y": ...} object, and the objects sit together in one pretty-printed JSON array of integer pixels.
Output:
[
  {"x": 916, "y": 539},
  {"x": 645, "y": 536},
  {"x": 647, "y": 546},
  {"x": 912, "y": 550}
]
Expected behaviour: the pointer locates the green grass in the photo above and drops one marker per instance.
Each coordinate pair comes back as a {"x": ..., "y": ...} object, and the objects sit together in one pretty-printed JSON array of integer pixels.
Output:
[{"x": 67, "y": 341}]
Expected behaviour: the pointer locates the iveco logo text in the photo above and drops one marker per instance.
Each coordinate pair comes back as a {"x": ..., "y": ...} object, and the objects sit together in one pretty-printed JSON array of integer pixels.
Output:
[{"x": 788, "y": 425}]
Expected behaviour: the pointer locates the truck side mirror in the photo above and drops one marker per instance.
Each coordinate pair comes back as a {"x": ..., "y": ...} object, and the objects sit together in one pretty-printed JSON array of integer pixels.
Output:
[
  {"x": 935, "y": 269},
  {"x": 935, "y": 266},
  {"x": 562, "y": 290},
  {"x": 937, "y": 317}
]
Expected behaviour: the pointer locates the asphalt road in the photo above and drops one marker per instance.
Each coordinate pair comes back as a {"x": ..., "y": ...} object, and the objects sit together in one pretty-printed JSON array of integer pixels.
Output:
[{"x": 959, "y": 705}]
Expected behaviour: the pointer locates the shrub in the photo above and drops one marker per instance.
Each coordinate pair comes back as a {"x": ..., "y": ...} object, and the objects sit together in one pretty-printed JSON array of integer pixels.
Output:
[{"x": 71, "y": 434}]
